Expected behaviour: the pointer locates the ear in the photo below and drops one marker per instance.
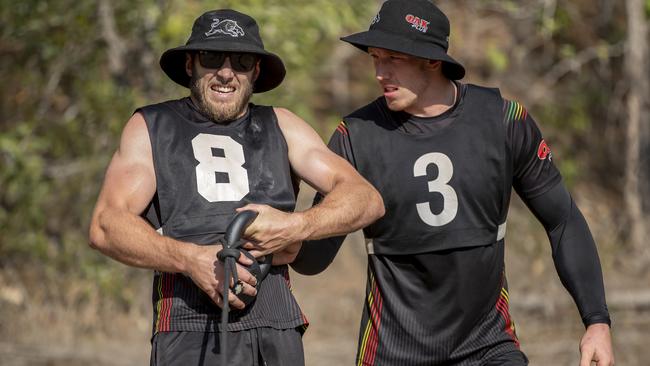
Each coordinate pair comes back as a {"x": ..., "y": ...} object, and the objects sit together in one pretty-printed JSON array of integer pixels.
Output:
[
  {"x": 256, "y": 72},
  {"x": 188, "y": 64},
  {"x": 435, "y": 64}
]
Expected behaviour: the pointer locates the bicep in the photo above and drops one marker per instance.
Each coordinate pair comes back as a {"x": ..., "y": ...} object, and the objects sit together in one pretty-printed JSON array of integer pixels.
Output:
[
  {"x": 533, "y": 169},
  {"x": 310, "y": 158},
  {"x": 130, "y": 181}
]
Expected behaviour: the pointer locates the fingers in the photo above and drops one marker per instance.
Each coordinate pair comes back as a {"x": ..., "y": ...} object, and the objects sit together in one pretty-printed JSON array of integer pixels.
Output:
[
  {"x": 240, "y": 288},
  {"x": 246, "y": 276},
  {"x": 586, "y": 356},
  {"x": 250, "y": 207},
  {"x": 233, "y": 301},
  {"x": 243, "y": 259}
]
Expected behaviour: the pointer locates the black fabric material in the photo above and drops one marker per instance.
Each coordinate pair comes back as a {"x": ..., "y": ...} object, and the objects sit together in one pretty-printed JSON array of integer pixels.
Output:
[
  {"x": 185, "y": 144},
  {"x": 413, "y": 27},
  {"x": 472, "y": 145},
  {"x": 438, "y": 308},
  {"x": 410, "y": 292},
  {"x": 316, "y": 255},
  {"x": 229, "y": 31},
  {"x": 516, "y": 358},
  {"x": 255, "y": 347},
  {"x": 574, "y": 252}
]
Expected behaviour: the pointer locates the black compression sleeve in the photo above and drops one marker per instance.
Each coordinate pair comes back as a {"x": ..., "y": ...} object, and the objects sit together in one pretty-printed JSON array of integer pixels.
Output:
[
  {"x": 316, "y": 255},
  {"x": 574, "y": 252}
]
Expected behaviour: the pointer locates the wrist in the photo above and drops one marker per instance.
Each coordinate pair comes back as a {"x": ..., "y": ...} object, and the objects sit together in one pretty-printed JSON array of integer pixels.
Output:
[
  {"x": 302, "y": 226},
  {"x": 186, "y": 254},
  {"x": 602, "y": 319}
]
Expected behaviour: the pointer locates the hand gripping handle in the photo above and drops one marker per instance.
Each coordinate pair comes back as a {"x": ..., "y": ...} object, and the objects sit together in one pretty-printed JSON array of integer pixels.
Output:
[
  {"x": 235, "y": 231},
  {"x": 237, "y": 227}
]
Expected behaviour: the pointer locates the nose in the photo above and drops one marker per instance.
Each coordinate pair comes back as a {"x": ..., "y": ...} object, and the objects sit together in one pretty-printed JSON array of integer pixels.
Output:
[
  {"x": 225, "y": 73},
  {"x": 382, "y": 72}
]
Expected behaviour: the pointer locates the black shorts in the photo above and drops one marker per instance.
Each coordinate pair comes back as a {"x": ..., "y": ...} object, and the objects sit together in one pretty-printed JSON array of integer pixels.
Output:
[
  {"x": 253, "y": 347},
  {"x": 516, "y": 358}
]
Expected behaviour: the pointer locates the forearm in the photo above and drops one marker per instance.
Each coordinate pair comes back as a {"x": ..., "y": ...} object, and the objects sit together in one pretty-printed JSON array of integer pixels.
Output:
[
  {"x": 574, "y": 253},
  {"x": 316, "y": 255},
  {"x": 347, "y": 208},
  {"x": 129, "y": 239},
  {"x": 577, "y": 263}
]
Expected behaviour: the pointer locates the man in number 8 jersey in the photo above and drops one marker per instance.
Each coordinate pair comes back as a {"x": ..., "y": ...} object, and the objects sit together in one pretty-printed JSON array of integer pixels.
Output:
[
  {"x": 445, "y": 156},
  {"x": 187, "y": 166}
]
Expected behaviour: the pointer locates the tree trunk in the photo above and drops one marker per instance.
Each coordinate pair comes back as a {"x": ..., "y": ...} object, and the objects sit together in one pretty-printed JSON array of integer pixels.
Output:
[{"x": 636, "y": 64}]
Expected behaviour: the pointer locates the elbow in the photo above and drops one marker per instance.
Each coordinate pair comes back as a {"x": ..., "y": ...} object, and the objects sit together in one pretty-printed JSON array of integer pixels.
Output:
[
  {"x": 96, "y": 235},
  {"x": 95, "y": 238},
  {"x": 376, "y": 207}
]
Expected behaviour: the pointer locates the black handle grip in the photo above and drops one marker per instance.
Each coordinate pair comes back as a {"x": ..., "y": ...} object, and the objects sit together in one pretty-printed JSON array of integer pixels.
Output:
[
  {"x": 237, "y": 227},
  {"x": 234, "y": 233}
]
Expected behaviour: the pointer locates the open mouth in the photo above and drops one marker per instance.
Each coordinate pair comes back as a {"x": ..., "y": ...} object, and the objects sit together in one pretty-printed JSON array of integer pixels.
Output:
[
  {"x": 390, "y": 91},
  {"x": 222, "y": 89}
]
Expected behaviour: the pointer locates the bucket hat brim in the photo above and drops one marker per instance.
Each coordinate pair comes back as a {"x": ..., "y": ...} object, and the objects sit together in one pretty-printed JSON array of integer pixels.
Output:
[
  {"x": 272, "y": 70},
  {"x": 451, "y": 68}
]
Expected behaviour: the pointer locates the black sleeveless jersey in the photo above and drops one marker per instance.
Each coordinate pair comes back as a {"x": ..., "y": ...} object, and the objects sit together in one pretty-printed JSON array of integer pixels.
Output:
[
  {"x": 437, "y": 291},
  {"x": 204, "y": 171}
]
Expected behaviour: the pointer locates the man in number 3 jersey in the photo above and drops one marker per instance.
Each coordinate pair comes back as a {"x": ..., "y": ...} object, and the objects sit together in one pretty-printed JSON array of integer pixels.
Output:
[
  {"x": 188, "y": 165},
  {"x": 445, "y": 155}
]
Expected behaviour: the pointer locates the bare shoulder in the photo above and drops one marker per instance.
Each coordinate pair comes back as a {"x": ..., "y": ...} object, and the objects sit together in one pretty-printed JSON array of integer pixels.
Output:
[
  {"x": 130, "y": 178},
  {"x": 135, "y": 135},
  {"x": 294, "y": 127},
  {"x": 287, "y": 118}
]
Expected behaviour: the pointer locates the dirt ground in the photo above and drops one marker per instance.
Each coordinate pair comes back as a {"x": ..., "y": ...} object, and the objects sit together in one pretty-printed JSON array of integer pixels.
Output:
[{"x": 547, "y": 323}]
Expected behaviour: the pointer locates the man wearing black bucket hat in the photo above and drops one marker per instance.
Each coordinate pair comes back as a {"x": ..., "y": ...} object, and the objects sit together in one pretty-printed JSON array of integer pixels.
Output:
[
  {"x": 188, "y": 165},
  {"x": 437, "y": 291}
]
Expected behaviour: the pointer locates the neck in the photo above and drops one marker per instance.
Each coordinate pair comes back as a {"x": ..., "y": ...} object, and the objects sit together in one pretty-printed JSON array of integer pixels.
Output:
[{"x": 436, "y": 100}]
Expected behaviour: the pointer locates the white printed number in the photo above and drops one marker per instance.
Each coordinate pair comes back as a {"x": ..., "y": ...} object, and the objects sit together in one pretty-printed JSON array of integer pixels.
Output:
[
  {"x": 439, "y": 185},
  {"x": 231, "y": 164}
]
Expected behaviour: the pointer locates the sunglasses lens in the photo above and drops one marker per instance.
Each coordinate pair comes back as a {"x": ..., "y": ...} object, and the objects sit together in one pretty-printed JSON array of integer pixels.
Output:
[
  {"x": 243, "y": 62},
  {"x": 211, "y": 60}
]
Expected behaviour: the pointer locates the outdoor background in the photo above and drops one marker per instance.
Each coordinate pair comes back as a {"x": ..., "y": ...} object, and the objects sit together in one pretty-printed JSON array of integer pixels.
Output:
[{"x": 73, "y": 71}]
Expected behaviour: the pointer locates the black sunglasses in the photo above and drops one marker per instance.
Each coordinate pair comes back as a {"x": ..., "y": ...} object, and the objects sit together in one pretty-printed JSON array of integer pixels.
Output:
[{"x": 240, "y": 62}]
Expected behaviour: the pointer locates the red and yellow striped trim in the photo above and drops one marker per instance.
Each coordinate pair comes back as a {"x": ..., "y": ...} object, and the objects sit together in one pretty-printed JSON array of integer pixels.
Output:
[
  {"x": 502, "y": 307},
  {"x": 370, "y": 342},
  {"x": 165, "y": 299},
  {"x": 342, "y": 128},
  {"x": 513, "y": 111}
]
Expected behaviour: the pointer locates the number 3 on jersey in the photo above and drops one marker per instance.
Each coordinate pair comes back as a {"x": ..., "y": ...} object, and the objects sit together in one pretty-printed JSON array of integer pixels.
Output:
[
  {"x": 439, "y": 185},
  {"x": 231, "y": 164}
]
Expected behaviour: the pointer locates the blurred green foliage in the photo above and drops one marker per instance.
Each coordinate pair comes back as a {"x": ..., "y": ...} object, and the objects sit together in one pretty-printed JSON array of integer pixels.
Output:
[
  {"x": 64, "y": 103},
  {"x": 63, "y": 107}
]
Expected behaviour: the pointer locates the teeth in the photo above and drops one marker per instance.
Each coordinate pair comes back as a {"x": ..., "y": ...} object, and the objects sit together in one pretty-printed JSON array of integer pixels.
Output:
[{"x": 223, "y": 89}]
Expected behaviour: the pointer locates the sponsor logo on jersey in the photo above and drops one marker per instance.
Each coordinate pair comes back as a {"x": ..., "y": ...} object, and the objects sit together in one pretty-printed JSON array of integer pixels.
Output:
[
  {"x": 226, "y": 26},
  {"x": 543, "y": 151},
  {"x": 418, "y": 23}
]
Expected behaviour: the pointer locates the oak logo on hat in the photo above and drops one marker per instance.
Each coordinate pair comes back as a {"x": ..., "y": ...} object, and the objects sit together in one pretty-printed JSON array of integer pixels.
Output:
[
  {"x": 418, "y": 23},
  {"x": 393, "y": 29},
  {"x": 226, "y": 26}
]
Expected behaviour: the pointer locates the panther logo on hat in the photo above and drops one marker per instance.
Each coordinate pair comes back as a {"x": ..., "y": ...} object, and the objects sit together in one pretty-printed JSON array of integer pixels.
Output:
[
  {"x": 226, "y": 26},
  {"x": 376, "y": 19}
]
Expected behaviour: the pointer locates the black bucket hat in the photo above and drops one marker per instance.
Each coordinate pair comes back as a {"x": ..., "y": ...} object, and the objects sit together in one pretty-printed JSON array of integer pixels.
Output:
[
  {"x": 228, "y": 31},
  {"x": 413, "y": 27}
]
